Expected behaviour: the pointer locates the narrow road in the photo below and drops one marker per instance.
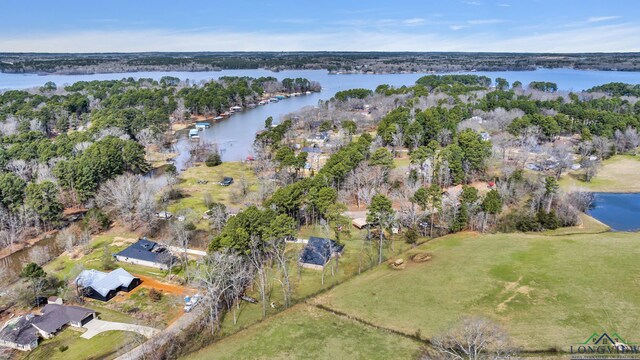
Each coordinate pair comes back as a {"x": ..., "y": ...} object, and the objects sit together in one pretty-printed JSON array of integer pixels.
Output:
[{"x": 97, "y": 326}]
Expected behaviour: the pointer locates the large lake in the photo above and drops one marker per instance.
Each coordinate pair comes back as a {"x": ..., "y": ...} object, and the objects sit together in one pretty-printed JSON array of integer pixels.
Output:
[
  {"x": 235, "y": 135},
  {"x": 621, "y": 212}
]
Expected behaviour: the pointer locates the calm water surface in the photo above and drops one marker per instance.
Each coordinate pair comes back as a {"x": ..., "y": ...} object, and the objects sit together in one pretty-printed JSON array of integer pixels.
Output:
[
  {"x": 235, "y": 136},
  {"x": 620, "y": 211}
]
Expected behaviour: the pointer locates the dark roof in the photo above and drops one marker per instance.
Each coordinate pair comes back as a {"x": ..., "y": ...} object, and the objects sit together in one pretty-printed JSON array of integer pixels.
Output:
[
  {"x": 54, "y": 316},
  {"x": 20, "y": 332},
  {"x": 148, "y": 251},
  {"x": 319, "y": 250}
]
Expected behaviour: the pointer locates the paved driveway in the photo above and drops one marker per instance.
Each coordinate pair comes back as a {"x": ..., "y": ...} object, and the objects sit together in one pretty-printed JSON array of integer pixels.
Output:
[{"x": 96, "y": 326}]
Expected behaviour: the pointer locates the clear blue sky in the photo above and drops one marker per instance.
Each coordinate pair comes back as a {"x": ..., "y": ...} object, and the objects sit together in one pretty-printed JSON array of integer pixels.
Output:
[{"x": 389, "y": 25}]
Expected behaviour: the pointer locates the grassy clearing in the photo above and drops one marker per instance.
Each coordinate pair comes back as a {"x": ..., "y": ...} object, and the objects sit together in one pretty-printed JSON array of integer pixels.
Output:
[
  {"x": 617, "y": 174},
  {"x": 358, "y": 255},
  {"x": 102, "y": 346},
  {"x": 548, "y": 291},
  {"x": 305, "y": 332},
  {"x": 193, "y": 204}
]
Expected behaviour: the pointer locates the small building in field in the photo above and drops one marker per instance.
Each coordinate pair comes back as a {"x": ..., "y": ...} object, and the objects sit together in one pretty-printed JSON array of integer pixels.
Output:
[
  {"x": 54, "y": 300},
  {"x": 104, "y": 286},
  {"x": 19, "y": 334},
  {"x": 147, "y": 253},
  {"x": 359, "y": 223},
  {"x": 318, "y": 252},
  {"x": 55, "y": 317}
]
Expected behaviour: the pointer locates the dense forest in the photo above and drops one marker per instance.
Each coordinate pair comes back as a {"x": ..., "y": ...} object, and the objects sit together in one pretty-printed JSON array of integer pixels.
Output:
[
  {"x": 59, "y": 146},
  {"x": 349, "y": 62}
]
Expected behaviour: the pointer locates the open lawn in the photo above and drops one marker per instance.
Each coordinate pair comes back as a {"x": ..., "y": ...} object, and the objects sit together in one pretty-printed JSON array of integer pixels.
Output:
[
  {"x": 549, "y": 291},
  {"x": 193, "y": 204},
  {"x": 102, "y": 346},
  {"x": 305, "y": 332},
  {"x": 617, "y": 174}
]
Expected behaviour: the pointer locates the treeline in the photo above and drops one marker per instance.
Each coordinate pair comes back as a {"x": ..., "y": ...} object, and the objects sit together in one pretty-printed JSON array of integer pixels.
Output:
[
  {"x": 346, "y": 62},
  {"x": 58, "y": 146}
]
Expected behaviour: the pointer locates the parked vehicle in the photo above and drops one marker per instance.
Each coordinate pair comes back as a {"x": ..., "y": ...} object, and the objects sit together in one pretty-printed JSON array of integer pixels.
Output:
[{"x": 226, "y": 181}]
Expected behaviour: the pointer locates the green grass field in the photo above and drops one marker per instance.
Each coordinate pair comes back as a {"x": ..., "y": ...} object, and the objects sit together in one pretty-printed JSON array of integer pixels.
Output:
[
  {"x": 548, "y": 291},
  {"x": 617, "y": 174},
  {"x": 102, "y": 346},
  {"x": 194, "y": 205},
  {"x": 305, "y": 332}
]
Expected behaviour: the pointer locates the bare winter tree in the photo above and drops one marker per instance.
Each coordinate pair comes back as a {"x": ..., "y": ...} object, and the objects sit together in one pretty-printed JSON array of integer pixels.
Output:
[
  {"x": 473, "y": 339},
  {"x": 282, "y": 258},
  {"x": 259, "y": 257},
  {"x": 181, "y": 238},
  {"x": 632, "y": 139},
  {"x": 131, "y": 198},
  {"x": 602, "y": 146},
  {"x": 216, "y": 277}
]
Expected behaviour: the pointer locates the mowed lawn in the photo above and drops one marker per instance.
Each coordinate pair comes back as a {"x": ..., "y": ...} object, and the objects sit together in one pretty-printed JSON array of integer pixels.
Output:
[
  {"x": 305, "y": 332},
  {"x": 617, "y": 174},
  {"x": 548, "y": 291},
  {"x": 107, "y": 345}
]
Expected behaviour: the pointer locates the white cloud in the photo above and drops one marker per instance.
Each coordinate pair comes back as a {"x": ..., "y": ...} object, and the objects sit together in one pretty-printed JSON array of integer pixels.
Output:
[
  {"x": 458, "y": 27},
  {"x": 472, "y": 2},
  {"x": 621, "y": 37},
  {"x": 414, "y": 21},
  {"x": 503, "y": 5},
  {"x": 484, "y": 21},
  {"x": 602, "y": 18}
]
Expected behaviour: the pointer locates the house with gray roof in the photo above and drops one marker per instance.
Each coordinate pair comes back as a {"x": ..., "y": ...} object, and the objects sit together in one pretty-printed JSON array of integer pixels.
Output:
[
  {"x": 318, "y": 251},
  {"x": 19, "y": 334},
  {"x": 54, "y": 317},
  {"x": 147, "y": 253},
  {"x": 104, "y": 286}
]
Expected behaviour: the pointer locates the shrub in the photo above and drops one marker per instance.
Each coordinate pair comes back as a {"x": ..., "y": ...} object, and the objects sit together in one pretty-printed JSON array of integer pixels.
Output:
[
  {"x": 213, "y": 159},
  {"x": 95, "y": 220},
  {"x": 155, "y": 295},
  {"x": 63, "y": 348},
  {"x": 411, "y": 236}
]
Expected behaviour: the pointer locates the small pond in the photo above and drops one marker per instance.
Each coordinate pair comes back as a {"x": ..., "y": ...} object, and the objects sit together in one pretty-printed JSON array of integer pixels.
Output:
[{"x": 619, "y": 211}]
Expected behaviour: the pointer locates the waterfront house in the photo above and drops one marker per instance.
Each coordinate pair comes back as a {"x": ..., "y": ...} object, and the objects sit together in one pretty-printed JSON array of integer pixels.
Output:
[
  {"x": 104, "y": 286},
  {"x": 147, "y": 253}
]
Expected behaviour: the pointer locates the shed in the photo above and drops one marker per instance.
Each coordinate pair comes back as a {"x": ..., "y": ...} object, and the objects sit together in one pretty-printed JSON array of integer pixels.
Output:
[
  {"x": 359, "y": 222},
  {"x": 318, "y": 252}
]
